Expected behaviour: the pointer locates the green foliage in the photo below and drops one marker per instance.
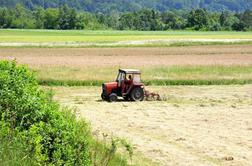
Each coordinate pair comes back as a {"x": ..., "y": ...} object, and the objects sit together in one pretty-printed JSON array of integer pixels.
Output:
[
  {"x": 5, "y": 18},
  {"x": 227, "y": 20},
  {"x": 21, "y": 101},
  {"x": 246, "y": 18},
  {"x": 14, "y": 149},
  {"x": 63, "y": 141},
  {"x": 22, "y": 18},
  {"x": 34, "y": 131},
  {"x": 172, "y": 20},
  {"x": 52, "y": 82},
  {"x": 39, "y": 15},
  {"x": 104, "y": 154},
  {"x": 163, "y": 82},
  {"x": 198, "y": 19},
  {"x": 52, "y": 136},
  {"x": 134, "y": 5},
  {"x": 65, "y": 17},
  {"x": 144, "y": 20},
  {"x": 51, "y": 19},
  {"x": 215, "y": 27},
  {"x": 239, "y": 26}
]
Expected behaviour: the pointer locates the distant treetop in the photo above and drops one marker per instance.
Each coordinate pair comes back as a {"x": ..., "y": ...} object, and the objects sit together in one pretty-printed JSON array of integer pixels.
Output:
[{"x": 107, "y": 6}]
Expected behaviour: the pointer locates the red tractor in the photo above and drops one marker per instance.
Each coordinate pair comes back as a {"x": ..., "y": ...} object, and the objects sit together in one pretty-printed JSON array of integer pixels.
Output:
[{"x": 127, "y": 85}]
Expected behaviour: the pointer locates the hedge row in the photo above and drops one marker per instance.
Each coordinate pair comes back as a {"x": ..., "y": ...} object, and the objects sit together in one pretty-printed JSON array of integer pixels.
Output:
[{"x": 51, "y": 82}]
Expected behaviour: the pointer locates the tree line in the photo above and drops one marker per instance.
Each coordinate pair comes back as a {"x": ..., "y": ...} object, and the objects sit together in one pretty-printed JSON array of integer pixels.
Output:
[
  {"x": 107, "y": 6},
  {"x": 65, "y": 18}
]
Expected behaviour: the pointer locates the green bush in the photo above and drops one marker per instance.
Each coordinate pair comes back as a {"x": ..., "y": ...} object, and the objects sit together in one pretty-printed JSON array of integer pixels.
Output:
[
  {"x": 14, "y": 150},
  {"x": 53, "y": 136}
]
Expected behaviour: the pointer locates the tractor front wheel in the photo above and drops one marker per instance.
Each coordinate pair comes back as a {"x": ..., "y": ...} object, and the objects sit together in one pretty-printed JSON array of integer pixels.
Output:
[
  {"x": 103, "y": 96},
  {"x": 112, "y": 97},
  {"x": 137, "y": 94}
]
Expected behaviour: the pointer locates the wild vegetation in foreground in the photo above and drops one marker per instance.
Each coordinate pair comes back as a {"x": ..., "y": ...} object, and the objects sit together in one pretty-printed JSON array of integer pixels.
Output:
[
  {"x": 34, "y": 130},
  {"x": 175, "y": 75}
]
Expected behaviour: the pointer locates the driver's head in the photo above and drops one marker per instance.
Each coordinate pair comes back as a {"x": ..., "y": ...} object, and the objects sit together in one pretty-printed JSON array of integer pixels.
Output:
[{"x": 130, "y": 77}]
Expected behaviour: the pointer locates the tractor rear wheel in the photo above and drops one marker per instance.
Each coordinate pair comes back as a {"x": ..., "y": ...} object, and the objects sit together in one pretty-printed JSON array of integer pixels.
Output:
[
  {"x": 112, "y": 97},
  {"x": 137, "y": 94}
]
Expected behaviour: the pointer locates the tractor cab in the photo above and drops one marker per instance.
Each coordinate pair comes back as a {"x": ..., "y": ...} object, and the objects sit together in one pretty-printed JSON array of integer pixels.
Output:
[
  {"x": 128, "y": 76},
  {"x": 127, "y": 85}
]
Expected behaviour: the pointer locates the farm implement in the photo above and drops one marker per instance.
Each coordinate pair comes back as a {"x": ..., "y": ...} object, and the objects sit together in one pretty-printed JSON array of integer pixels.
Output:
[{"x": 128, "y": 85}]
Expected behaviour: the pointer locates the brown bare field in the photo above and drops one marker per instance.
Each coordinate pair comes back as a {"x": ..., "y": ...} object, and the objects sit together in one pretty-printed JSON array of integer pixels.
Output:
[
  {"x": 206, "y": 125},
  {"x": 102, "y": 57}
]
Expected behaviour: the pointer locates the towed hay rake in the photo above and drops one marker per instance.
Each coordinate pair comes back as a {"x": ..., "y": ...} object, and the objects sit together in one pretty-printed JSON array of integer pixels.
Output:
[{"x": 151, "y": 96}]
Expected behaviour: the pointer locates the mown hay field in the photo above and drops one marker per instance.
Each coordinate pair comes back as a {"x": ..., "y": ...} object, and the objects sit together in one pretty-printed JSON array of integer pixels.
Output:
[{"x": 193, "y": 125}]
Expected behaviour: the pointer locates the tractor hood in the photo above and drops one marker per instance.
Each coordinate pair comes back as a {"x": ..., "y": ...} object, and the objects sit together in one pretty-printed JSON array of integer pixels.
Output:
[
  {"x": 109, "y": 87},
  {"x": 111, "y": 84}
]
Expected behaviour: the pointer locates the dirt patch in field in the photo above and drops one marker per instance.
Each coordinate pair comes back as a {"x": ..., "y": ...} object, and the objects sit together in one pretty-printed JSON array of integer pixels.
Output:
[
  {"x": 207, "y": 125},
  {"x": 79, "y": 57}
]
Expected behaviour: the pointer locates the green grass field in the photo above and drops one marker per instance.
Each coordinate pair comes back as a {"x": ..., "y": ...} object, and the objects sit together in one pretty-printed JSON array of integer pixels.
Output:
[{"x": 38, "y": 36}]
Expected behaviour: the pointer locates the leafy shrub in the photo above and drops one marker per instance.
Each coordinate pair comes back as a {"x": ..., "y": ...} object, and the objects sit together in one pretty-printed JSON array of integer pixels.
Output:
[
  {"x": 53, "y": 136},
  {"x": 103, "y": 152},
  {"x": 13, "y": 148},
  {"x": 215, "y": 27}
]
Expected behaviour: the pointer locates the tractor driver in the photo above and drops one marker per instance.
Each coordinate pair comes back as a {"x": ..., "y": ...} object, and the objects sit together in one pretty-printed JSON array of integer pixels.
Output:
[
  {"x": 130, "y": 79},
  {"x": 128, "y": 83}
]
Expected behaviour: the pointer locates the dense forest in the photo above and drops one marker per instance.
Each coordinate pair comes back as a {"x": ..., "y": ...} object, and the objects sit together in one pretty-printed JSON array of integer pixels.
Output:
[
  {"x": 65, "y": 17},
  {"x": 108, "y": 6}
]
